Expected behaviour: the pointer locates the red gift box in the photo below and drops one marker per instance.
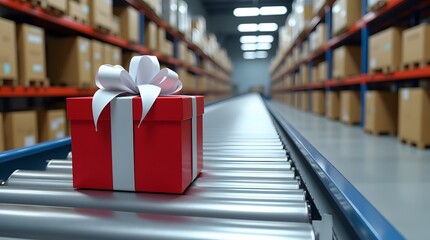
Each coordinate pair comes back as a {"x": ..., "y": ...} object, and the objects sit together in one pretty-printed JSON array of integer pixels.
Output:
[{"x": 162, "y": 147}]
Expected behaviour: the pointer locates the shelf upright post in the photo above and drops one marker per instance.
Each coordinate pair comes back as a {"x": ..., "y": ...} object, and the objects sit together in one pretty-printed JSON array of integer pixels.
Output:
[
  {"x": 175, "y": 51},
  {"x": 329, "y": 52},
  {"x": 364, "y": 64},
  {"x": 141, "y": 28}
]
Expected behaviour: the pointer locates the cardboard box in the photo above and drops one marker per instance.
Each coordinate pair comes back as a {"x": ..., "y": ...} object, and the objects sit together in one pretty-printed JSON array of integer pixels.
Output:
[
  {"x": 381, "y": 112},
  {"x": 146, "y": 165},
  {"x": 304, "y": 73},
  {"x": 305, "y": 50},
  {"x": 297, "y": 99},
  {"x": 155, "y": 5},
  {"x": 151, "y": 35},
  {"x": 129, "y": 22},
  {"x": 346, "y": 61},
  {"x": 126, "y": 58},
  {"x": 161, "y": 39},
  {"x": 112, "y": 54},
  {"x": 373, "y": 5},
  {"x": 414, "y": 116},
  {"x": 101, "y": 13},
  {"x": 60, "y": 5},
  {"x": 332, "y": 105},
  {"x": 31, "y": 54},
  {"x": 315, "y": 73},
  {"x": 415, "y": 47},
  {"x": 384, "y": 50},
  {"x": 304, "y": 102},
  {"x": 317, "y": 5},
  {"x": 8, "y": 51},
  {"x": 303, "y": 11},
  {"x": 2, "y": 147},
  {"x": 167, "y": 49},
  {"x": 115, "y": 26},
  {"x": 79, "y": 11},
  {"x": 184, "y": 21},
  {"x": 97, "y": 59},
  {"x": 20, "y": 129},
  {"x": 322, "y": 72},
  {"x": 318, "y": 37},
  {"x": 345, "y": 14},
  {"x": 182, "y": 51},
  {"x": 318, "y": 102},
  {"x": 170, "y": 12},
  {"x": 350, "y": 111},
  {"x": 52, "y": 124},
  {"x": 201, "y": 83},
  {"x": 69, "y": 61}
]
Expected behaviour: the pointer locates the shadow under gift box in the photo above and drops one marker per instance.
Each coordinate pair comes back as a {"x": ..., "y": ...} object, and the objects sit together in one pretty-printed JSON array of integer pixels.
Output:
[{"x": 162, "y": 144}]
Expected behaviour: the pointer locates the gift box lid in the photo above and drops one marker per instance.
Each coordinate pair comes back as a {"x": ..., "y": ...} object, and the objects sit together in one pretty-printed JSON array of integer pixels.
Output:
[{"x": 169, "y": 108}]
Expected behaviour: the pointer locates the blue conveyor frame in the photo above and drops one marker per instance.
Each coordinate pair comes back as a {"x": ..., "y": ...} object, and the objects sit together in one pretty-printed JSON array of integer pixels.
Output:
[{"x": 364, "y": 218}]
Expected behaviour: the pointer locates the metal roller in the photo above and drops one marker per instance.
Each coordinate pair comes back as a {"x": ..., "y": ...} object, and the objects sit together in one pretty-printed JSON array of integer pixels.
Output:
[
  {"x": 59, "y": 161},
  {"x": 245, "y": 159},
  {"x": 181, "y": 205},
  {"x": 226, "y": 147},
  {"x": 237, "y": 143},
  {"x": 66, "y": 223},
  {"x": 253, "y": 174},
  {"x": 29, "y": 174},
  {"x": 244, "y": 154},
  {"x": 59, "y": 168},
  {"x": 69, "y": 155}
]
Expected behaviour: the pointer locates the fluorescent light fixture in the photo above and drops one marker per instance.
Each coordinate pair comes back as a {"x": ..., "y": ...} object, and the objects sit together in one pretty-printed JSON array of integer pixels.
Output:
[
  {"x": 249, "y": 47},
  {"x": 249, "y": 55},
  {"x": 275, "y": 10},
  {"x": 261, "y": 54},
  {"x": 246, "y": 12},
  {"x": 247, "y": 27},
  {"x": 263, "y": 46},
  {"x": 267, "y": 27},
  {"x": 265, "y": 38},
  {"x": 248, "y": 39}
]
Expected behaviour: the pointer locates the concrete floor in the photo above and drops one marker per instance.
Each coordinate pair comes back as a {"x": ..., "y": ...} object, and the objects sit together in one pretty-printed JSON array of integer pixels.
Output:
[{"x": 394, "y": 177}]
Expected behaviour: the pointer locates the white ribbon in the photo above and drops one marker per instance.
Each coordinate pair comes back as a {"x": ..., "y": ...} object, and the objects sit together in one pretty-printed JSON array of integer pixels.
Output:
[{"x": 145, "y": 79}]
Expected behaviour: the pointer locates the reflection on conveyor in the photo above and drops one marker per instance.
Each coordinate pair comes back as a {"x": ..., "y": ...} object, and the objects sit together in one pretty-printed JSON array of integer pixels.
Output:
[{"x": 246, "y": 191}]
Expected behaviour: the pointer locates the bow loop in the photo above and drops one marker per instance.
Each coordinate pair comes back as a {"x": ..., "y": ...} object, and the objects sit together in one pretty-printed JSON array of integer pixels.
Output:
[{"x": 144, "y": 79}]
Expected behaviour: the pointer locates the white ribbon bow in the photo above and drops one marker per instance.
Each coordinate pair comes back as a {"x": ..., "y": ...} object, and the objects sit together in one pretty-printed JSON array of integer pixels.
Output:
[{"x": 145, "y": 79}]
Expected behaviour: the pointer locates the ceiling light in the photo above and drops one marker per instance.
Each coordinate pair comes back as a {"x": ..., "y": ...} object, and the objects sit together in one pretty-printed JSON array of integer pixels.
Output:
[
  {"x": 265, "y": 38},
  {"x": 267, "y": 27},
  {"x": 275, "y": 10},
  {"x": 249, "y": 55},
  {"x": 247, "y": 27},
  {"x": 248, "y": 39},
  {"x": 261, "y": 54},
  {"x": 246, "y": 12},
  {"x": 263, "y": 46},
  {"x": 249, "y": 47}
]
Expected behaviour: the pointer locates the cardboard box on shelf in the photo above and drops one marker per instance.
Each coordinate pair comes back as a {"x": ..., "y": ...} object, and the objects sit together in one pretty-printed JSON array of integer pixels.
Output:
[
  {"x": 31, "y": 54},
  {"x": 167, "y": 49},
  {"x": 8, "y": 53},
  {"x": 69, "y": 61},
  {"x": 346, "y": 61},
  {"x": 129, "y": 22},
  {"x": 126, "y": 58},
  {"x": 304, "y": 73},
  {"x": 97, "y": 59},
  {"x": 332, "y": 105},
  {"x": 414, "y": 116},
  {"x": 52, "y": 124},
  {"x": 317, "y": 5},
  {"x": 384, "y": 50},
  {"x": 20, "y": 129},
  {"x": 314, "y": 73},
  {"x": 318, "y": 102},
  {"x": 374, "y": 5},
  {"x": 305, "y": 50},
  {"x": 112, "y": 54},
  {"x": 304, "y": 102},
  {"x": 350, "y": 112},
  {"x": 58, "y": 5},
  {"x": 170, "y": 12},
  {"x": 155, "y": 5},
  {"x": 2, "y": 147},
  {"x": 381, "y": 112},
  {"x": 318, "y": 37},
  {"x": 161, "y": 39},
  {"x": 101, "y": 13},
  {"x": 201, "y": 83},
  {"x": 303, "y": 11},
  {"x": 151, "y": 35},
  {"x": 191, "y": 58},
  {"x": 184, "y": 21},
  {"x": 345, "y": 14},
  {"x": 322, "y": 71},
  {"x": 79, "y": 11},
  {"x": 115, "y": 26},
  {"x": 182, "y": 51},
  {"x": 415, "y": 47}
]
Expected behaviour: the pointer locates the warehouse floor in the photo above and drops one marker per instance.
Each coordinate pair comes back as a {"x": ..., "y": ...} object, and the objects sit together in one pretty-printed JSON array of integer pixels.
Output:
[{"x": 394, "y": 177}]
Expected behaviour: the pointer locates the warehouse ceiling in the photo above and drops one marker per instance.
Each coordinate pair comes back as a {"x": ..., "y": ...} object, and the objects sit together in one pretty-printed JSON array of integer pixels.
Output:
[{"x": 214, "y": 7}]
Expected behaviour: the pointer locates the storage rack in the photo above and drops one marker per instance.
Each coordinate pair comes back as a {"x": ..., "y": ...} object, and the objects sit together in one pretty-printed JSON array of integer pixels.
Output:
[
  {"x": 65, "y": 24},
  {"x": 395, "y": 12}
]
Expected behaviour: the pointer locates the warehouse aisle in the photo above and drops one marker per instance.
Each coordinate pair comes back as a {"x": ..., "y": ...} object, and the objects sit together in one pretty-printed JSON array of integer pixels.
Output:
[{"x": 392, "y": 176}]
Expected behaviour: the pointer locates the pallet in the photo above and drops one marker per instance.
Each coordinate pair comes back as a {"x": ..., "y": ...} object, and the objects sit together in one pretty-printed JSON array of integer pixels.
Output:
[
  {"x": 378, "y": 5},
  {"x": 80, "y": 85},
  {"x": 53, "y": 10},
  {"x": 36, "y": 83},
  {"x": 37, "y": 3},
  {"x": 8, "y": 82},
  {"x": 415, "y": 65},
  {"x": 79, "y": 20},
  {"x": 101, "y": 29},
  {"x": 351, "y": 123},
  {"x": 379, "y": 133},
  {"x": 413, "y": 143},
  {"x": 384, "y": 70}
]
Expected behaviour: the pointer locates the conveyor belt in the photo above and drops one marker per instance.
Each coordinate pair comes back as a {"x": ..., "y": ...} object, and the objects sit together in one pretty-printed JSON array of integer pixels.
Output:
[{"x": 247, "y": 190}]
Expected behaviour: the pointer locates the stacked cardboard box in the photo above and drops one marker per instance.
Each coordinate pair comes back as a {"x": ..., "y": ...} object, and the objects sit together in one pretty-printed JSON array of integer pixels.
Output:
[
  {"x": 384, "y": 50},
  {"x": 129, "y": 23},
  {"x": 20, "y": 129},
  {"x": 155, "y": 5},
  {"x": 60, "y": 6},
  {"x": 101, "y": 14},
  {"x": 52, "y": 124},
  {"x": 97, "y": 59},
  {"x": 8, "y": 61},
  {"x": 112, "y": 54},
  {"x": 381, "y": 112},
  {"x": 415, "y": 47},
  {"x": 317, "y": 5},
  {"x": 322, "y": 72},
  {"x": 2, "y": 145},
  {"x": 304, "y": 102},
  {"x": 414, "y": 116},
  {"x": 303, "y": 13},
  {"x": 304, "y": 73},
  {"x": 79, "y": 11},
  {"x": 314, "y": 73},
  {"x": 346, "y": 61},
  {"x": 318, "y": 102},
  {"x": 332, "y": 105},
  {"x": 31, "y": 55},
  {"x": 345, "y": 14},
  {"x": 350, "y": 111},
  {"x": 69, "y": 61},
  {"x": 151, "y": 35}
]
